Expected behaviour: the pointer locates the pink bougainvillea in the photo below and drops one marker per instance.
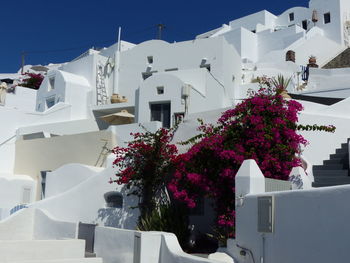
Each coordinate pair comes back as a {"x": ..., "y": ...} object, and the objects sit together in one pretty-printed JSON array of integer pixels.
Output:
[
  {"x": 263, "y": 128},
  {"x": 32, "y": 80},
  {"x": 144, "y": 166}
]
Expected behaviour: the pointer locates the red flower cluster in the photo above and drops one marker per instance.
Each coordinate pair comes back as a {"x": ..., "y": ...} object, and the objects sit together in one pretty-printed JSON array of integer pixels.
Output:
[
  {"x": 145, "y": 164},
  {"x": 32, "y": 80}
]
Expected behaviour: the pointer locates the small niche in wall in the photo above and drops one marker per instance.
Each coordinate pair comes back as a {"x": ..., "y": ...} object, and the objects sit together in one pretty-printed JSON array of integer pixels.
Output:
[
  {"x": 113, "y": 199},
  {"x": 51, "y": 85},
  {"x": 50, "y": 102},
  {"x": 327, "y": 18},
  {"x": 291, "y": 17},
  {"x": 304, "y": 24},
  {"x": 160, "y": 90}
]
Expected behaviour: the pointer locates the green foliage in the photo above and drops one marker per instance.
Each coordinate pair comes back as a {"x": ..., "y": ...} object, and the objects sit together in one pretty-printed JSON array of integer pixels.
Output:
[{"x": 167, "y": 218}]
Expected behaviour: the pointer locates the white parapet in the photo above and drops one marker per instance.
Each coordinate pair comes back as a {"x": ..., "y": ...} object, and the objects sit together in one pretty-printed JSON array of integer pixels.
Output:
[{"x": 249, "y": 180}]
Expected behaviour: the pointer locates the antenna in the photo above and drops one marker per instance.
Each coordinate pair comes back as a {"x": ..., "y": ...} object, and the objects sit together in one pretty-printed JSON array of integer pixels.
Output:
[
  {"x": 23, "y": 54},
  {"x": 160, "y": 29}
]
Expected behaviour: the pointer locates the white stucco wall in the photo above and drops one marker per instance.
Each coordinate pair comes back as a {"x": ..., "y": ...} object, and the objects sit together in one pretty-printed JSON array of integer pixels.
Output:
[
  {"x": 68, "y": 176},
  {"x": 23, "y": 99},
  {"x": 68, "y": 88},
  {"x": 309, "y": 226},
  {"x": 330, "y": 81},
  {"x": 85, "y": 203},
  {"x": 13, "y": 191}
]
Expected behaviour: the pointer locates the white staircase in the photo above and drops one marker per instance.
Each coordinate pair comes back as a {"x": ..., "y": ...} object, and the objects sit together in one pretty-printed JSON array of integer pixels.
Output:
[{"x": 44, "y": 251}]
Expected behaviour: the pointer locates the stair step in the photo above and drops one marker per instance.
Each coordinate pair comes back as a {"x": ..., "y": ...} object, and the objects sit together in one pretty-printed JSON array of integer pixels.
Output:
[
  {"x": 90, "y": 255},
  {"x": 337, "y": 161},
  {"x": 344, "y": 145},
  {"x": 322, "y": 173},
  {"x": 66, "y": 260},
  {"x": 338, "y": 156},
  {"x": 337, "y": 180},
  {"x": 328, "y": 167},
  {"x": 342, "y": 151}
]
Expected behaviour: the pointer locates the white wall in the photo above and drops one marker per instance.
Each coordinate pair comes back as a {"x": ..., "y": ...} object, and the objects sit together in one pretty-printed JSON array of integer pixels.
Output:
[
  {"x": 23, "y": 99},
  {"x": 330, "y": 80},
  {"x": 34, "y": 224},
  {"x": 85, "y": 203},
  {"x": 69, "y": 88},
  {"x": 249, "y": 22},
  {"x": 114, "y": 245},
  {"x": 68, "y": 176},
  {"x": 310, "y": 226},
  {"x": 12, "y": 191}
]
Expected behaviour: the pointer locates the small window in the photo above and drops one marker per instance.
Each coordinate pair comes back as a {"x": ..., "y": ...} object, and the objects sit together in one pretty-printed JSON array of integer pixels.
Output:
[
  {"x": 291, "y": 17},
  {"x": 327, "y": 18},
  {"x": 51, "y": 83},
  {"x": 160, "y": 90},
  {"x": 150, "y": 59},
  {"x": 50, "y": 102},
  {"x": 253, "y": 31},
  {"x": 178, "y": 117},
  {"x": 146, "y": 75},
  {"x": 304, "y": 24}
]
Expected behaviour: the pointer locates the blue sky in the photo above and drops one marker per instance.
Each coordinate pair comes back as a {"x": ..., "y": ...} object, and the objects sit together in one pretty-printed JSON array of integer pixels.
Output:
[{"x": 58, "y": 31}]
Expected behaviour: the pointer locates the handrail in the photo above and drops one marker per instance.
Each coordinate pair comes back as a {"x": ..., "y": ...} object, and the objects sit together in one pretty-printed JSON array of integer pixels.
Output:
[{"x": 7, "y": 140}]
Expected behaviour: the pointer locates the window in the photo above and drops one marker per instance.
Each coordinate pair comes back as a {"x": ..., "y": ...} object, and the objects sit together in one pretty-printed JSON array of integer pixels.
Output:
[
  {"x": 160, "y": 90},
  {"x": 253, "y": 31},
  {"x": 327, "y": 18},
  {"x": 51, "y": 83},
  {"x": 50, "y": 102},
  {"x": 291, "y": 17},
  {"x": 150, "y": 59},
  {"x": 161, "y": 112},
  {"x": 146, "y": 75},
  {"x": 304, "y": 24},
  {"x": 178, "y": 117}
]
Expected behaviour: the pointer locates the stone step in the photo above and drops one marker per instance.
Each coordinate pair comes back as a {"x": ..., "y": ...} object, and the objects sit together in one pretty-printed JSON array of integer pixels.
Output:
[
  {"x": 41, "y": 249},
  {"x": 343, "y": 161},
  {"x": 66, "y": 260},
  {"x": 339, "y": 156},
  {"x": 316, "y": 168},
  {"x": 342, "y": 151},
  {"x": 90, "y": 255},
  {"x": 322, "y": 173},
  {"x": 332, "y": 179},
  {"x": 344, "y": 145}
]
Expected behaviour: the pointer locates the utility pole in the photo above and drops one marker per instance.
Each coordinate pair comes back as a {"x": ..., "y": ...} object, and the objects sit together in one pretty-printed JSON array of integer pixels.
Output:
[
  {"x": 23, "y": 54},
  {"x": 160, "y": 29}
]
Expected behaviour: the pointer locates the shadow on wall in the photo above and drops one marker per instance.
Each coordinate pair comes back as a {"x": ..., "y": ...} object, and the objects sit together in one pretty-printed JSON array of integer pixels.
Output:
[{"x": 124, "y": 217}]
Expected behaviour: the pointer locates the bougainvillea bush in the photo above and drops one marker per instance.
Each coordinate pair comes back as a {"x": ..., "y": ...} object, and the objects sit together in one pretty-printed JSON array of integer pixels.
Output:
[
  {"x": 32, "y": 80},
  {"x": 144, "y": 166},
  {"x": 263, "y": 128}
]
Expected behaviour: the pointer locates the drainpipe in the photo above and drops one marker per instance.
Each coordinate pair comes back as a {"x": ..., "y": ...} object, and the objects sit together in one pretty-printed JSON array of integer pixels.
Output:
[{"x": 116, "y": 67}]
